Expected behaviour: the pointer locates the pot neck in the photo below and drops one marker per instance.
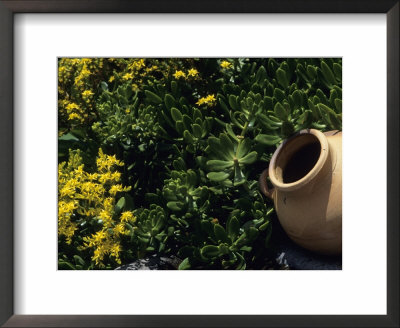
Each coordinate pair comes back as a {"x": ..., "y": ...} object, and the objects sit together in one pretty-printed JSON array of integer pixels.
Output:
[{"x": 299, "y": 160}]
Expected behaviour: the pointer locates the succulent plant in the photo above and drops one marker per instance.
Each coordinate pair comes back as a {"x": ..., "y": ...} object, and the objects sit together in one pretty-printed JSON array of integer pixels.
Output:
[{"x": 194, "y": 135}]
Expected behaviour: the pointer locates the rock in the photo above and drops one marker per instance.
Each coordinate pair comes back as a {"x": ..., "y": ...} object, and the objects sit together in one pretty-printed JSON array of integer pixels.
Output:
[
  {"x": 153, "y": 262},
  {"x": 284, "y": 255}
]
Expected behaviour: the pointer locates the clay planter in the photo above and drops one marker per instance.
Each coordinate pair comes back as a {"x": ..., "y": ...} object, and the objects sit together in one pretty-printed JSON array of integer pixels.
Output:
[{"x": 306, "y": 171}]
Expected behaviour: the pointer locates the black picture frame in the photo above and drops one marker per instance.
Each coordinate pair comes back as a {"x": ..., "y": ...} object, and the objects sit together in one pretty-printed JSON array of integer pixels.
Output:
[{"x": 10, "y": 7}]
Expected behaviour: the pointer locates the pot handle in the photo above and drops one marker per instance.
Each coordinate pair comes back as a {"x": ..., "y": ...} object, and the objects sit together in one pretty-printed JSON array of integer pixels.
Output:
[{"x": 263, "y": 184}]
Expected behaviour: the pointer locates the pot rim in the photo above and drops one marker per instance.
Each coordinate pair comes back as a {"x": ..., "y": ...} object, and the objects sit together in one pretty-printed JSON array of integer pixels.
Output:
[{"x": 312, "y": 173}]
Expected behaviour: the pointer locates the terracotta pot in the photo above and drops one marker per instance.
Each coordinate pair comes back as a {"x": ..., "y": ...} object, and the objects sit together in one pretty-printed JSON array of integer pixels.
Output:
[{"x": 306, "y": 171}]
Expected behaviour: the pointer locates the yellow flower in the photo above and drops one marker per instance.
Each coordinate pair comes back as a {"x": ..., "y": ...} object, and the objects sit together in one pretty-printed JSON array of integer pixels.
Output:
[
  {"x": 71, "y": 107},
  {"x": 117, "y": 188},
  {"x": 112, "y": 78},
  {"x": 67, "y": 191},
  {"x": 108, "y": 204},
  {"x": 209, "y": 101},
  {"x": 84, "y": 74},
  {"x": 193, "y": 72},
  {"x": 127, "y": 216},
  {"x": 115, "y": 250},
  {"x": 136, "y": 65},
  {"x": 105, "y": 162},
  {"x": 210, "y": 98},
  {"x": 225, "y": 64},
  {"x": 74, "y": 116},
  {"x": 119, "y": 229},
  {"x": 128, "y": 76},
  {"x": 99, "y": 236},
  {"x": 152, "y": 68},
  {"x": 105, "y": 216},
  {"x": 116, "y": 176},
  {"x": 82, "y": 197},
  {"x": 87, "y": 93},
  {"x": 86, "y": 60},
  {"x": 98, "y": 256},
  {"x": 179, "y": 74},
  {"x": 201, "y": 101}
]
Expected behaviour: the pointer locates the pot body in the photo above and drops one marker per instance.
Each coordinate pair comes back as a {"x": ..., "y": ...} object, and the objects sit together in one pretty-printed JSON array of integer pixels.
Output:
[{"x": 306, "y": 171}]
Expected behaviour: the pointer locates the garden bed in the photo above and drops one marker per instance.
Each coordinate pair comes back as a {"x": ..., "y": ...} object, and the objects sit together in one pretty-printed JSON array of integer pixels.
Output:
[{"x": 160, "y": 159}]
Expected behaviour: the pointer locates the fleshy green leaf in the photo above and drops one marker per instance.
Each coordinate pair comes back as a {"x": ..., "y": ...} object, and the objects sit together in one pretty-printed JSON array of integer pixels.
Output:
[
  {"x": 210, "y": 251},
  {"x": 197, "y": 130},
  {"x": 261, "y": 74},
  {"x": 243, "y": 147},
  {"x": 280, "y": 111},
  {"x": 188, "y": 137},
  {"x": 337, "y": 69},
  {"x": 239, "y": 177},
  {"x": 152, "y": 97},
  {"x": 279, "y": 94},
  {"x": 338, "y": 105},
  {"x": 233, "y": 102},
  {"x": 217, "y": 165},
  {"x": 282, "y": 78},
  {"x": 217, "y": 176},
  {"x": 169, "y": 101},
  {"x": 68, "y": 137},
  {"x": 176, "y": 114},
  {"x": 79, "y": 260},
  {"x": 233, "y": 227},
  {"x": 120, "y": 205},
  {"x": 311, "y": 72},
  {"x": 226, "y": 144},
  {"x": 267, "y": 139},
  {"x": 220, "y": 233},
  {"x": 185, "y": 264},
  {"x": 175, "y": 206},
  {"x": 249, "y": 158},
  {"x": 327, "y": 72}
]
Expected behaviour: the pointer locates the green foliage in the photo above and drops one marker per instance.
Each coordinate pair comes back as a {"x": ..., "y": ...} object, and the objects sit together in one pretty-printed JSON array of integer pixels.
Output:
[{"x": 194, "y": 135}]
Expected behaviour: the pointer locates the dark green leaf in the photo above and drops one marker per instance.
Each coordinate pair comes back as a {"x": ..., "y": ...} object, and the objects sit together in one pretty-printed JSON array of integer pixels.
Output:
[
  {"x": 249, "y": 158},
  {"x": 233, "y": 227},
  {"x": 327, "y": 72},
  {"x": 185, "y": 264},
  {"x": 68, "y": 137},
  {"x": 175, "y": 206},
  {"x": 197, "y": 130},
  {"x": 210, "y": 251},
  {"x": 217, "y": 165},
  {"x": 280, "y": 111},
  {"x": 176, "y": 114},
  {"x": 120, "y": 205},
  {"x": 282, "y": 78},
  {"x": 267, "y": 139},
  {"x": 217, "y": 176},
  {"x": 152, "y": 97},
  {"x": 220, "y": 233},
  {"x": 169, "y": 101}
]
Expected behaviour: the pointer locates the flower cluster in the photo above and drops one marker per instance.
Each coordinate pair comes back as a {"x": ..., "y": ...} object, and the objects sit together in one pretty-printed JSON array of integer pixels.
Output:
[
  {"x": 77, "y": 80},
  {"x": 190, "y": 136},
  {"x": 225, "y": 64},
  {"x": 88, "y": 200},
  {"x": 191, "y": 73},
  {"x": 209, "y": 101},
  {"x": 135, "y": 71}
]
